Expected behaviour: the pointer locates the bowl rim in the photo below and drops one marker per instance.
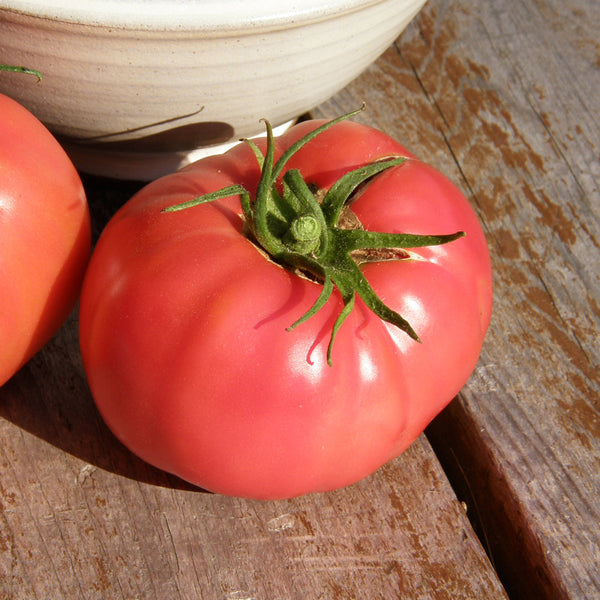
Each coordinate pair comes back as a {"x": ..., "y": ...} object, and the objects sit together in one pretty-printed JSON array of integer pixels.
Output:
[{"x": 190, "y": 15}]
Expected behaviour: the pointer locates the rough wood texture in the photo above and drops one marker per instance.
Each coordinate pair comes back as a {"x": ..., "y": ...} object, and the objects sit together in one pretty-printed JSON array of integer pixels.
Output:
[{"x": 503, "y": 97}]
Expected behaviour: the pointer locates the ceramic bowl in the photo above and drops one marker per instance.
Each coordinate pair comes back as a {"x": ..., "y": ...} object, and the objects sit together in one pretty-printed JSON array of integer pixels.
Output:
[{"x": 138, "y": 88}]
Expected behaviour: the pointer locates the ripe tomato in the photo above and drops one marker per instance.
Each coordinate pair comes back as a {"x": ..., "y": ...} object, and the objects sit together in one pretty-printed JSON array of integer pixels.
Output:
[
  {"x": 45, "y": 237},
  {"x": 184, "y": 317}
]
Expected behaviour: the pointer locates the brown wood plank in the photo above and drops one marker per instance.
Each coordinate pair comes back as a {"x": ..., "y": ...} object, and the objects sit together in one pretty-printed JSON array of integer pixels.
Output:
[{"x": 503, "y": 97}]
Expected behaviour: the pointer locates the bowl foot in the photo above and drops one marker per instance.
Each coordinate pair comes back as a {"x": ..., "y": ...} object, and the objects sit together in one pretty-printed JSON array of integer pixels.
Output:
[{"x": 143, "y": 166}]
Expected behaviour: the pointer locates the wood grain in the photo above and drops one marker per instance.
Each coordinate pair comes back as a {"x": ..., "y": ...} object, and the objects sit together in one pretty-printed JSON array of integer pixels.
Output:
[{"x": 503, "y": 98}]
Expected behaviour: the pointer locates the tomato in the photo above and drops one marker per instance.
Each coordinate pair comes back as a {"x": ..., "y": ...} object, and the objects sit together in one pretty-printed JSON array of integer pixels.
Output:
[
  {"x": 45, "y": 238},
  {"x": 185, "y": 315}
]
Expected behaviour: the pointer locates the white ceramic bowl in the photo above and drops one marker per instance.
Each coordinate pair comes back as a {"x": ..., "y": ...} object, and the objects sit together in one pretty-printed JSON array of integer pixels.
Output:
[{"x": 137, "y": 88}]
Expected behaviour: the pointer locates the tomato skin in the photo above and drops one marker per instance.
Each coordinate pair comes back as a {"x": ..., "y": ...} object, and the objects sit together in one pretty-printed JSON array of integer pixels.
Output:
[
  {"x": 183, "y": 329},
  {"x": 45, "y": 236}
]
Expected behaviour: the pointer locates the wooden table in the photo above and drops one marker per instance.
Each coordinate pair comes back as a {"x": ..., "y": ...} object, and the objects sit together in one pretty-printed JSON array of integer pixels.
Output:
[{"x": 500, "y": 498}]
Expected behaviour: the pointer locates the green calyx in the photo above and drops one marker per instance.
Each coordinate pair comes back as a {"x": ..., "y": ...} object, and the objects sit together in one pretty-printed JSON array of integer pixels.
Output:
[{"x": 302, "y": 233}]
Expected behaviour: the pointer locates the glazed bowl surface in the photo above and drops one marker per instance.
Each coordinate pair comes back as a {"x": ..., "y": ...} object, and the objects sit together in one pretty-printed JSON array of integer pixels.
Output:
[{"x": 138, "y": 88}]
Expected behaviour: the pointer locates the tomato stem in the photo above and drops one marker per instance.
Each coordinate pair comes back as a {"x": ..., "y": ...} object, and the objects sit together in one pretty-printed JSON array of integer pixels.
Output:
[{"x": 298, "y": 231}]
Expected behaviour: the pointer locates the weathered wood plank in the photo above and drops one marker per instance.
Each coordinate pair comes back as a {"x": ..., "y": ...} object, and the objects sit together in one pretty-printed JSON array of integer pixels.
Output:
[{"x": 503, "y": 97}]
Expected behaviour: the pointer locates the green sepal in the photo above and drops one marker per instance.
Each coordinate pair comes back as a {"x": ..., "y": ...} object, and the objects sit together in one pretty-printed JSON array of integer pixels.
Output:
[
  {"x": 337, "y": 195},
  {"x": 301, "y": 233}
]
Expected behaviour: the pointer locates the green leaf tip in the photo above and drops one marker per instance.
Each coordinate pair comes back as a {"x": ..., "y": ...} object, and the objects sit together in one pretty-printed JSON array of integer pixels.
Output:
[{"x": 24, "y": 70}]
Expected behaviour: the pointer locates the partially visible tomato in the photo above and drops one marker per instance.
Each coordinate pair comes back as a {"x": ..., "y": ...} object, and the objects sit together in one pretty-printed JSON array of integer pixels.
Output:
[
  {"x": 45, "y": 238},
  {"x": 184, "y": 316}
]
